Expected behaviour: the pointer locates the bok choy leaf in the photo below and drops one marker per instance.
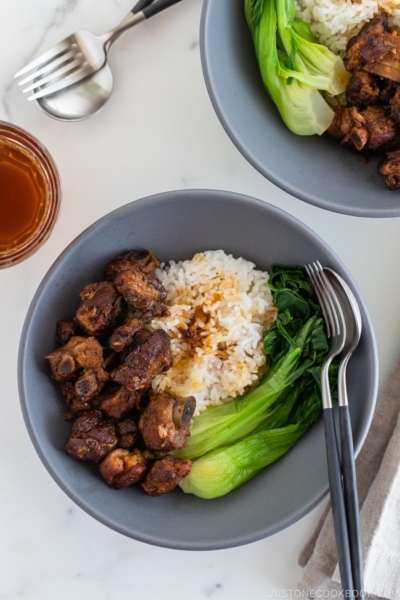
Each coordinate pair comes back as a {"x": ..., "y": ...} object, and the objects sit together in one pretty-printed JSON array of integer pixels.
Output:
[{"x": 293, "y": 66}]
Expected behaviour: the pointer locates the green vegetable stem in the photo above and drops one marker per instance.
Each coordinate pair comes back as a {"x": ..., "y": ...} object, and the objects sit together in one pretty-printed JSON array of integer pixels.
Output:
[
  {"x": 226, "y": 468},
  {"x": 294, "y": 68}
]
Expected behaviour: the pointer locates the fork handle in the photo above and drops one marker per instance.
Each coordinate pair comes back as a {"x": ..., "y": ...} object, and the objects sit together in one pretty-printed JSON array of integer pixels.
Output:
[
  {"x": 351, "y": 498},
  {"x": 157, "y": 7},
  {"x": 337, "y": 502},
  {"x": 143, "y": 9},
  {"x": 141, "y": 5}
]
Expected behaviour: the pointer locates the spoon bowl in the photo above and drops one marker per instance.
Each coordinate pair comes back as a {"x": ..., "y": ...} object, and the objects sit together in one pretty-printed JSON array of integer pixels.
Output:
[
  {"x": 81, "y": 100},
  {"x": 351, "y": 312}
]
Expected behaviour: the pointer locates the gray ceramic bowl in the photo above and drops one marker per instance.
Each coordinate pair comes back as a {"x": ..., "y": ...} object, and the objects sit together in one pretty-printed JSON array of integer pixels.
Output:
[
  {"x": 314, "y": 169},
  {"x": 176, "y": 225}
]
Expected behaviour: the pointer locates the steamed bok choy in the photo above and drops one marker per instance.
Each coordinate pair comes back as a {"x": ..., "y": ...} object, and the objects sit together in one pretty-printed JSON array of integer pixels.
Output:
[
  {"x": 228, "y": 467},
  {"x": 293, "y": 67},
  {"x": 232, "y": 442}
]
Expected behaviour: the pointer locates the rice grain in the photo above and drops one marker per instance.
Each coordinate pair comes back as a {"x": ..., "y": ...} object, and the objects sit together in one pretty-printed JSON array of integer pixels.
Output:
[
  {"x": 334, "y": 22},
  {"x": 219, "y": 308}
]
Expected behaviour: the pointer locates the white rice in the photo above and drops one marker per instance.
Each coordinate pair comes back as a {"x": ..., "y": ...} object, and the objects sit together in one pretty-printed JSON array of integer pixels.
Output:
[
  {"x": 334, "y": 22},
  {"x": 226, "y": 305}
]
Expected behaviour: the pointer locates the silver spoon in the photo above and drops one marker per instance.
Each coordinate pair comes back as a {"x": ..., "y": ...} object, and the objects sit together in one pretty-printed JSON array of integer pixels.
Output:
[
  {"x": 353, "y": 321},
  {"x": 82, "y": 100},
  {"x": 87, "y": 97}
]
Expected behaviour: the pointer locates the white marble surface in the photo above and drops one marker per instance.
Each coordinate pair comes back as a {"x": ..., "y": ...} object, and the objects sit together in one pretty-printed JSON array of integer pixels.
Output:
[{"x": 158, "y": 132}]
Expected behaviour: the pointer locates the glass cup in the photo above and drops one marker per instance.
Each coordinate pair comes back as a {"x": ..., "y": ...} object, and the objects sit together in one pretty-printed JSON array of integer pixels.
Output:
[{"x": 21, "y": 140}]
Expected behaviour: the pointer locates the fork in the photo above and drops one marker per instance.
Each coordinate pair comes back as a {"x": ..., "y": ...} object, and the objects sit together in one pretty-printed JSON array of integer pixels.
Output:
[
  {"x": 353, "y": 321},
  {"x": 80, "y": 54},
  {"x": 336, "y": 333}
]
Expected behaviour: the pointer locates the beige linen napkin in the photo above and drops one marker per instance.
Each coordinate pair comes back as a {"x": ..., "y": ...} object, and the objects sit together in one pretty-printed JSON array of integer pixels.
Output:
[{"x": 378, "y": 478}]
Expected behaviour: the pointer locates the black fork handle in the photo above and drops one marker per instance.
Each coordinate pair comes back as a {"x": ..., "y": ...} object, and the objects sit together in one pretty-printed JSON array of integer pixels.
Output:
[
  {"x": 141, "y": 5},
  {"x": 151, "y": 8},
  {"x": 338, "y": 505}
]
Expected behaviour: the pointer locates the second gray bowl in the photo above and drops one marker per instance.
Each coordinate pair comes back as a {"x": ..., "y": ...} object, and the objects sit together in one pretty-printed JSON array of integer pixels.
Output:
[{"x": 315, "y": 169}]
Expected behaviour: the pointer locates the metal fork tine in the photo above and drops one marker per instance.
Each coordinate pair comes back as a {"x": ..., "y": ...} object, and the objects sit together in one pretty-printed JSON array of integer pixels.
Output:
[
  {"x": 335, "y": 299},
  {"x": 320, "y": 297},
  {"x": 322, "y": 300},
  {"x": 74, "y": 77},
  {"x": 330, "y": 306},
  {"x": 46, "y": 56},
  {"x": 72, "y": 64},
  {"x": 330, "y": 295},
  {"x": 310, "y": 273},
  {"x": 49, "y": 67}
]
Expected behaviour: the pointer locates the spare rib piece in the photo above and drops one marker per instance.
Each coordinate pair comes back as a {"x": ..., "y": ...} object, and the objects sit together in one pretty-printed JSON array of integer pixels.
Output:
[
  {"x": 100, "y": 308},
  {"x": 377, "y": 47},
  {"x": 387, "y": 67},
  {"x": 387, "y": 90},
  {"x": 375, "y": 50},
  {"x": 127, "y": 433},
  {"x": 370, "y": 128},
  {"x": 362, "y": 89},
  {"x": 74, "y": 402},
  {"x": 148, "y": 356},
  {"x": 165, "y": 422},
  {"x": 143, "y": 292},
  {"x": 342, "y": 122},
  {"x": 394, "y": 144},
  {"x": 183, "y": 410},
  {"x": 381, "y": 128},
  {"x": 122, "y": 336},
  {"x": 116, "y": 401},
  {"x": 358, "y": 135},
  {"x": 377, "y": 26},
  {"x": 395, "y": 106},
  {"x": 165, "y": 474},
  {"x": 122, "y": 468},
  {"x": 149, "y": 455},
  {"x": 65, "y": 331},
  {"x": 91, "y": 437},
  {"x": 389, "y": 168},
  {"x": 91, "y": 382},
  {"x": 139, "y": 260},
  {"x": 348, "y": 125},
  {"x": 78, "y": 353}
]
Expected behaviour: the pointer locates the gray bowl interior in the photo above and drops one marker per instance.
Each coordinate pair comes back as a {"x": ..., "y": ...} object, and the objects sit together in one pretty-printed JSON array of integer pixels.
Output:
[
  {"x": 176, "y": 225},
  {"x": 314, "y": 169}
]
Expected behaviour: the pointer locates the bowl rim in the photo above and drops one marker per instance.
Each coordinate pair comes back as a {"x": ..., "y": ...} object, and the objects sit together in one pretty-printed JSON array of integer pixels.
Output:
[
  {"x": 85, "y": 505},
  {"x": 246, "y": 151}
]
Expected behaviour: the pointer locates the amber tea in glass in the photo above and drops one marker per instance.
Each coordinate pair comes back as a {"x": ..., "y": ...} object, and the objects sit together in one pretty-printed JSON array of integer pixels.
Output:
[{"x": 30, "y": 194}]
